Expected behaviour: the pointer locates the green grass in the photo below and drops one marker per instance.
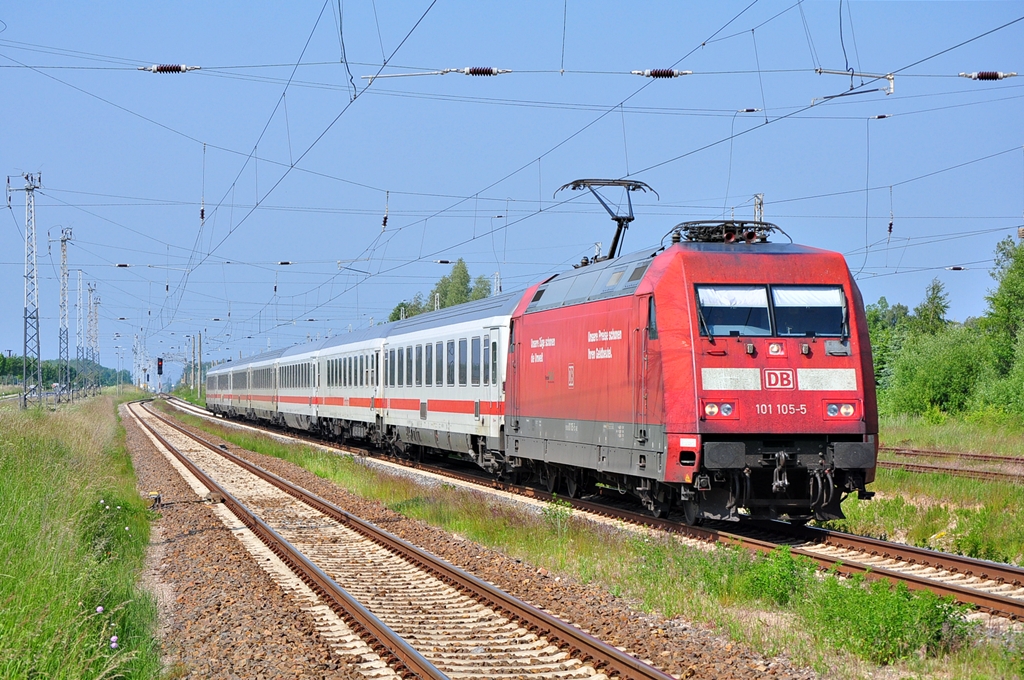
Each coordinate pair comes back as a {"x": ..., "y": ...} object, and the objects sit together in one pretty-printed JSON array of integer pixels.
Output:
[
  {"x": 982, "y": 432},
  {"x": 191, "y": 396},
  {"x": 954, "y": 514},
  {"x": 839, "y": 626},
  {"x": 73, "y": 537}
]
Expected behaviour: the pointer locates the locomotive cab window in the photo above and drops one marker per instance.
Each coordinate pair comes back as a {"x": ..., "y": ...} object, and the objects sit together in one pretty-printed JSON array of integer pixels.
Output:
[
  {"x": 808, "y": 311},
  {"x": 733, "y": 310}
]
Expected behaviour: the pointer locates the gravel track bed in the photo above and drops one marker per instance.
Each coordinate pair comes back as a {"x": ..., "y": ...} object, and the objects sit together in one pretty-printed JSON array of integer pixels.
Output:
[
  {"x": 676, "y": 646},
  {"x": 457, "y": 634},
  {"x": 221, "y": 616}
]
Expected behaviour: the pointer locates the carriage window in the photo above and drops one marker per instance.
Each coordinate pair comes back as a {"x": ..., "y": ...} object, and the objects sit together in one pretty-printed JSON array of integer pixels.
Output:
[
  {"x": 408, "y": 366},
  {"x": 474, "y": 375},
  {"x": 391, "y": 368},
  {"x": 451, "y": 363},
  {"x": 362, "y": 370},
  {"x": 809, "y": 310},
  {"x": 487, "y": 360},
  {"x": 733, "y": 310},
  {"x": 429, "y": 364},
  {"x": 439, "y": 365},
  {"x": 463, "y": 360},
  {"x": 401, "y": 366},
  {"x": 419, "y": 365},
  {"x": 494, "y": 361}
]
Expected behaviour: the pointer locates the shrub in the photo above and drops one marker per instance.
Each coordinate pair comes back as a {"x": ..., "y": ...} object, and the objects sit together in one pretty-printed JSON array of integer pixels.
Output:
[{"x": 937, "y": 372}]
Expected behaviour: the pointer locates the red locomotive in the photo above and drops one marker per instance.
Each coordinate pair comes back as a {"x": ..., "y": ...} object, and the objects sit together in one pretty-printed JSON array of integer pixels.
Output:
[{"x": 723, "y": 375}]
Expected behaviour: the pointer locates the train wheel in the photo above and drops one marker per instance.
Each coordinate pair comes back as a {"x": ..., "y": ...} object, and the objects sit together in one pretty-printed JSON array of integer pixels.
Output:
[
  {"x": 572, "y": 485},
  {"x": 549, "y": 477},
  {"x": 691, "y": 513}
]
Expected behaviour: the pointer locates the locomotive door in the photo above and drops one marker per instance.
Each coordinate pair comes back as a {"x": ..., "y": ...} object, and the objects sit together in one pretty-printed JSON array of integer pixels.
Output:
[
  {"x": 512, "y": 379},
  {"x": 638, "y": 365}
]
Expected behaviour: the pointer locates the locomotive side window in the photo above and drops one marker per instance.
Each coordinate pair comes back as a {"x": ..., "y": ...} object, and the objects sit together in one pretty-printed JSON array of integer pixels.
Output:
[
  {"x": 474, "y": 375},
  {"x": 809, "y": 310},
  {"x": 451, "y": 363},
  {"x": 638, "y": 273},
  {"x": 734, "y": 310},
  {"x": 463, "y": 360},
  {"x": 652, "y": 319}
]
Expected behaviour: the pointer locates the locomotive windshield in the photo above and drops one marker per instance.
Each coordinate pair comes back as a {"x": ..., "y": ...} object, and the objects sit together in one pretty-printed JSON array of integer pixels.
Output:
[
  {"x": 809, "y": 310},
  {"x": 795, "y": 311},
  {"x": 734, "y": 310}
]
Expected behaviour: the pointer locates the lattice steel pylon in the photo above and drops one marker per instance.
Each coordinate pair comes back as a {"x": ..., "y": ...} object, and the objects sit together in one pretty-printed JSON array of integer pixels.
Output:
[
  {"x": 79, "y": 330},
  {"x": 64, "y": 359},
  {"x": 90, "y": 333},
  {"x": 31, "y": 344}
]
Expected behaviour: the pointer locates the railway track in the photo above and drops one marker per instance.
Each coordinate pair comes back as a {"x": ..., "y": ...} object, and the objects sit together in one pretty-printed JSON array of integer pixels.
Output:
[
  {"x": 992, "y": 587},
  {"x": 930, "y": 453},
  {"x": 986, "y": 475},
  {"x": 421, "y": 614}
]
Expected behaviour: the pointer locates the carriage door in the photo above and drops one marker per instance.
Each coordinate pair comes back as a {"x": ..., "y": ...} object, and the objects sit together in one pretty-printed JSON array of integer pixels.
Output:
[
  {"x": 493, "y": 370},
  {"x": 643, "y": 311}
]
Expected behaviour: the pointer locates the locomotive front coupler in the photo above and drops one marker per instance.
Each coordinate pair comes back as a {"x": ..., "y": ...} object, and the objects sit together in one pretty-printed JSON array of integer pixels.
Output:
[{"x": 780, "y": 482}]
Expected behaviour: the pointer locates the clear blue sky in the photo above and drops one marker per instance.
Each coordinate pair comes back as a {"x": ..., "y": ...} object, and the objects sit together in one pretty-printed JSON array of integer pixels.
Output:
[{"x": 122, "y": 160}]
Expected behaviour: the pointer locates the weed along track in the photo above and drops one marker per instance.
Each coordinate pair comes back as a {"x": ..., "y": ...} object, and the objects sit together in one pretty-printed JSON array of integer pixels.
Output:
[
  {"x": 423, "y": 616},
  {"x": 993, "y": 587}
]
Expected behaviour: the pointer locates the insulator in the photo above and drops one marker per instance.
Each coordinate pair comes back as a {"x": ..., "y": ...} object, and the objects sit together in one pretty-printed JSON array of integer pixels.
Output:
[
  {"x": 481, "y": 71},
  {"x": 384, "y": 223},
  {"x": 661, "y": 73},
  {"x": 202, "y": 213},
  {"x": 676, "y": 237},
  {"x": 170, "y": 68},
  {"x": 988, "y": 75}
]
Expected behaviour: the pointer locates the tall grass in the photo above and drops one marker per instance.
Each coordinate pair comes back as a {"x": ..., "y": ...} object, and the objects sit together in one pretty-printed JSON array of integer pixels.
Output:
[
  {"x": 985, "y": 431},
  {"x": 835, "y": 625},
  {"x": 73, "y": 536}
]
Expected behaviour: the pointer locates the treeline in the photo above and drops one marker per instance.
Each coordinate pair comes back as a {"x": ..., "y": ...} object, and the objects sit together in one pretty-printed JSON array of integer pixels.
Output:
[
  {"x": 452, "y": 289},
  {"x": 928, "y": 365},
  {"x": 11, "y": 372}
]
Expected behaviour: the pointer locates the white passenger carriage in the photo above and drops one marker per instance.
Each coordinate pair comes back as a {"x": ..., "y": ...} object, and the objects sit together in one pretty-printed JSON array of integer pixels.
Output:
[{"x": 435, "y": 381}]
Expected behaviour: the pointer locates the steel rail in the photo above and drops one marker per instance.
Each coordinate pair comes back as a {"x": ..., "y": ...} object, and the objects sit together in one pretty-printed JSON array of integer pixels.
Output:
[
  {"x": 990, "y": 602},
  {"x": 385, "y": 642},
  {"x": 606, "y": 658},
  {"x": 957, "y": 564},
  {"x": 963, "y": 455},
  {"x": 986, "y": 475}
]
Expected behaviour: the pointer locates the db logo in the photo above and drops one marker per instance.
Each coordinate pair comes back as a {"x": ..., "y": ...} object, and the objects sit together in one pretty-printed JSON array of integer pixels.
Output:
[{"x": 778, "y": 379}]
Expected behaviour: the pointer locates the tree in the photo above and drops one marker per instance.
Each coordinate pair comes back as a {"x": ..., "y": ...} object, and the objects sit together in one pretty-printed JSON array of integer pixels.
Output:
[
  {"x": 452, "y": 289},
  {"x": 1004, "y": 318},
  {"x": 887, "y": 329},
  {"x": 930, "y": 315}
]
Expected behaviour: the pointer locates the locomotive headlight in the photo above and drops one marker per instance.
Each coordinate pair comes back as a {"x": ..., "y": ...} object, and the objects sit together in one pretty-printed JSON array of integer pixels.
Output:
[
  {"x": 711, "y": 409},
  {"x": 775, "y": 349},
  {"x": 846, "y": 410},
  {"x": 832, "y": 410},
  {"x": 726, "y": 409}
]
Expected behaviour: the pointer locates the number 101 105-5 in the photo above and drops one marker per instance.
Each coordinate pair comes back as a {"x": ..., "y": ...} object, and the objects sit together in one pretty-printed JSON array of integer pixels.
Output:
[{"x": 781, "y": 409}]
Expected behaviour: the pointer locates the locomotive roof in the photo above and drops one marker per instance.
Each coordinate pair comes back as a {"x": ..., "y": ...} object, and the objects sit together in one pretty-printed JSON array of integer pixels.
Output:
[
  {"x": 751, "y": 249},
  {"x": 604, "y": 279}
]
